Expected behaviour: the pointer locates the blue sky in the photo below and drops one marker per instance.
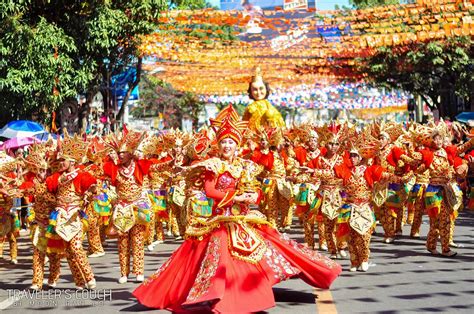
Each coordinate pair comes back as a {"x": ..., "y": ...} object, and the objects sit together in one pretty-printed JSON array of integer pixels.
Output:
[{"x": 322, "y": 4}]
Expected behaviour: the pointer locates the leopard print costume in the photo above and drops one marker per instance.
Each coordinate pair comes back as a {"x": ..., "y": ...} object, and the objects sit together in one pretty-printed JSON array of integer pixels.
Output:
[
  {"x": 359, "y": 247},
  {"x": 38, "y": 267},
  {"x": 133, "y": 241},
  {"x": 440, "y": 226}
]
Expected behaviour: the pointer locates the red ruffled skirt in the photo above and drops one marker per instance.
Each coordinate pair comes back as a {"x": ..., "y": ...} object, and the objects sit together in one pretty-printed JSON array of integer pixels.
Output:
[{"x": 206, "y": 275}]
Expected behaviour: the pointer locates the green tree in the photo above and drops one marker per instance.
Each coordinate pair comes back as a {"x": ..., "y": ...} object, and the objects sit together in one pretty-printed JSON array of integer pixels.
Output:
[
  {"x": 362, "y": 4},
  {"x": 189, "y": 4},
  {"x": 425, "y": 69},
  {"x": 51, "y": 50},
  {"x": 158, "y": 97}
]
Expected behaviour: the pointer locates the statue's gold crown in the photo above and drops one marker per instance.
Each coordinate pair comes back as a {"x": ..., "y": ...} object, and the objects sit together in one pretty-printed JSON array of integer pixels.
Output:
[{"x": 258, "y": 77}]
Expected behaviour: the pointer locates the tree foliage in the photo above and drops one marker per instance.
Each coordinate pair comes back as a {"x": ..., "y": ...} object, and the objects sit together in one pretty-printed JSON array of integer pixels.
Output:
[
  {"x": 362, "y": 4},
  {"x": 160, "y": 98},
  {"x": 189, "y": 4},
  {"x": 425, "y": 69},
  {"x": 51, "y": 49}
]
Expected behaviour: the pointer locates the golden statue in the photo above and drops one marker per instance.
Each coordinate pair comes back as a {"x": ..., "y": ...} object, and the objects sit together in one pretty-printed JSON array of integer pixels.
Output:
[{"x": 261, "y": 114}]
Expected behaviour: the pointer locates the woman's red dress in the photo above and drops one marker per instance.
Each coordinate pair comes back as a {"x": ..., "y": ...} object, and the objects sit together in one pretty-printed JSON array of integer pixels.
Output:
[{"x": 233, "y": 266}]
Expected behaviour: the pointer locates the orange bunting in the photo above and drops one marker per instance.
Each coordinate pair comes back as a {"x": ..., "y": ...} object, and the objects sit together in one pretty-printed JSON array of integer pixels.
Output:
[{"x": 291, "y": 50}]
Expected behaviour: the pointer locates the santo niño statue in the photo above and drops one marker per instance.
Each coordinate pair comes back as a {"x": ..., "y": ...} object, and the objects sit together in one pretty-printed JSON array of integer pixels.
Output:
[{"x": 261, "y": 114}]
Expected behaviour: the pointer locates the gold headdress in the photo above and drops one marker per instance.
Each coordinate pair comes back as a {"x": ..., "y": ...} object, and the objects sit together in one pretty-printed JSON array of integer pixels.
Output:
[
  {"x": 97, "y": 150},
  {"x": 7, "y": 163},
  {"x": 302, "y": 133},
  {"x": 258, "y": 76},
  {"x": 274, "y": 136},
  {"x": 334, "y": 132},
  {"x": 153, "y": 145},
  {"x": 391, "y": 130},
  {"x": 72, "y": 148},
  {"x": 37, "y": 157},
  {"x": 424, "y": 133},
  {"x": 365, "y": 144},
  {"x": 227, "y": 124},
  {"x": 156, "y": 145},
  {"x": 127, "y": 142}
]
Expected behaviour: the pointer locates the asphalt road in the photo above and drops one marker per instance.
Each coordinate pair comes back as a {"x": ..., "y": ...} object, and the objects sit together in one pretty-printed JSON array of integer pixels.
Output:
[{"x": 403, "y": 278}]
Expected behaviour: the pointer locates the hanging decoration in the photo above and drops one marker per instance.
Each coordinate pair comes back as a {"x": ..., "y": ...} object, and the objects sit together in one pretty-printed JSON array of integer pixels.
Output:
[{"x": 211, "y": 52}]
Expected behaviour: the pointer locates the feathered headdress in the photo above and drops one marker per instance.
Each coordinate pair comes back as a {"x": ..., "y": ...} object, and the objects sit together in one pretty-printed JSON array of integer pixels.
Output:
[
  {"x": 97, "y": 150},
  {"x": 37, "y": 157},
  {"x": 365, "y": 144},
  {"x": 73, "y": 148},
  {"x": 128, "y": 141},
  {"x": 425, "y": 133},
  {"x": 390, "y": 130},
  {"x": 274, "y": 136},
  {"x": 302, "y": 133},
  {"x": 334, "y": 132},
  {"x": 227, "y": 124}
]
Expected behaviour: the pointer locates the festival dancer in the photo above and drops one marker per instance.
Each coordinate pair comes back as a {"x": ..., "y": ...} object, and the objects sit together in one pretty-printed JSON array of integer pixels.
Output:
[
  {"x": 441, "y": 196},
  {"x": 416, "y": 201},
  {"x": 44, "y": 203},
  {"x": 180, "y": 144},
  {"x": 226, "y": 243},
  {"x": 329, "y": 193},
  {"x": 307, "y": 204},
  {"x": 72, "y": 185},
  {"x": 357, "y": 219},
  {"x": 461, "y": 169},
  {"x": 155, "y": 149},
  {"x": 390, "y": 197},
  {"x": 132, "y": 208},
  {"x": 99, "y": 209},
  {"x": 9, "y": 221},
  {"x": 274, "y": 185}
]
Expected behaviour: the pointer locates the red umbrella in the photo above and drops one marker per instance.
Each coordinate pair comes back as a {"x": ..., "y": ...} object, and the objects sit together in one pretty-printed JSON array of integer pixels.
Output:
[{"x": 18, "y": 142}]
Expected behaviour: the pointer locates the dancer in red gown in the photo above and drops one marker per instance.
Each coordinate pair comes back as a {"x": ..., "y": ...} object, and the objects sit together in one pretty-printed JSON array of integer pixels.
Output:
[{"x": 231, "y": 257}]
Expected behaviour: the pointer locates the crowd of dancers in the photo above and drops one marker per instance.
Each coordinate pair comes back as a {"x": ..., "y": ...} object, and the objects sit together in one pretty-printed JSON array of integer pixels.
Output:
[
  {"x": 231, "y": 191},
  {"x": 336, "y": 179}
]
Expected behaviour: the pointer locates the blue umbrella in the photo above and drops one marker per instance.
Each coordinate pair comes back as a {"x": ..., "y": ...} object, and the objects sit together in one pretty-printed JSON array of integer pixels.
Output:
[
  {"x": 21, "y": 128},
  {"x": 464, "y": 117},
  {"x": 45, "y": 136}
]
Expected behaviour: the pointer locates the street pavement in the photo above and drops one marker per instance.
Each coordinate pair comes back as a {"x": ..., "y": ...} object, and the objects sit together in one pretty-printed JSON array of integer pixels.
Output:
[{"x": 403, "y": 278}]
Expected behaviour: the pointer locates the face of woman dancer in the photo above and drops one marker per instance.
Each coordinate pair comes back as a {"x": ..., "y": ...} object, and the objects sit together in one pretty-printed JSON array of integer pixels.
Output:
[
  {"x": 258, "y": 90},
  {"x": 227, "y": 148},
  {"x": 125, "y": 158},
  {"x": 438, "y": 141},
  {"x": 355, "y": 159}
]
